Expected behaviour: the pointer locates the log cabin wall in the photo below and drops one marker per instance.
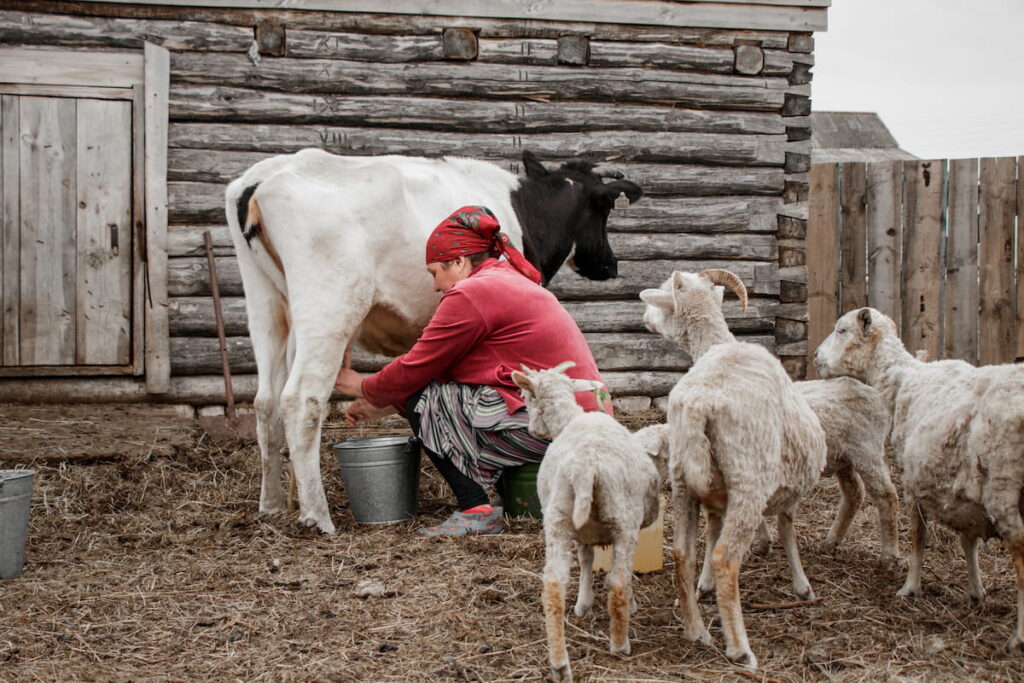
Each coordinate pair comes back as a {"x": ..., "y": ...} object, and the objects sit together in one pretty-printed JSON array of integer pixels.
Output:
[{"x": 712, "y": 122}]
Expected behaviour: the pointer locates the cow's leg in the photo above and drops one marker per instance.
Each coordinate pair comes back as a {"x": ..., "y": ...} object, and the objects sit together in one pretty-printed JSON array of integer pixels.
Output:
[
  {"x": 851, "y": 493},
  {"x": 787, "y": 536},
  {"x": 585, "y": 594},
  {"x": 918, "y": 539},
  {"x": 268, "y": 329},
  {"x": 326, "y": 308}
]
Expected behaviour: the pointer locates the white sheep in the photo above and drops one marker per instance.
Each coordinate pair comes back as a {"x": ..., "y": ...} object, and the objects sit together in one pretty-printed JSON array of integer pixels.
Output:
[
  {"x": 957, "y": 434},
  {"x": 743, "y": 442},
  {"x": 596, "y": 486}
]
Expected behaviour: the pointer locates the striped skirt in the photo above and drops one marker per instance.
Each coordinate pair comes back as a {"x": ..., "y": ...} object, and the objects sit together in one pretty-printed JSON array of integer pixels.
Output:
[{"x": 470, "y": 426}]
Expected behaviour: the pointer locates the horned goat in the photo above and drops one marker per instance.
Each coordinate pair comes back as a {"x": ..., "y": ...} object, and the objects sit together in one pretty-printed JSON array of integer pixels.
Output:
[
  {"x": 743, "y": 442},
  {"x": 957, "y": 434},
  {"x": 597, "y": 486}
]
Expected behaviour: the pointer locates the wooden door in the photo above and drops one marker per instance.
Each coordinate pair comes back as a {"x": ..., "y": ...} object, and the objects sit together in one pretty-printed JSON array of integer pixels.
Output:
[{"x": 67, "y": 256}]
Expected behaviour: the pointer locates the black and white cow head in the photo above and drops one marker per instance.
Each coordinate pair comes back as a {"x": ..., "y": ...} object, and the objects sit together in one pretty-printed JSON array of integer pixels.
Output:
[{"x": 564, "y": 213}]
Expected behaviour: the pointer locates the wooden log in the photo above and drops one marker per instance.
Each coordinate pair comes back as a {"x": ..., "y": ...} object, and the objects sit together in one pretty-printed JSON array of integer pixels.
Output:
[
  {"x": 189, "y": 276},
  {"x": 922, "y": 262},
  {"x": 220, "y": 103},
  {"x": 192, "y": 202},
  {"x": 204, "y": 164},
  {"x": 192, "y": 316},
  {"x": 487, "y": 81},
  {"x": 997, "y": 201},
  {"x": 960, "y": 339},
  {"x": 853, "y": 240},
  {"x": 194, "y": 390},
  {"x": 822, "y": 255},
  {"x": 382, "y": 24},
  {"x": 884, "y": 226},
  {"x": 639, "y": 247},
  {"x": 187, "y": 240}
]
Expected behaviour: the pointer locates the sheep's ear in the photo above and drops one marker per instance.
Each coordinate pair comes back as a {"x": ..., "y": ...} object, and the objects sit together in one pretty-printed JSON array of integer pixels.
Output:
[
  {"x": 677, "y": 284},
  {"x": 563, "y": 366},
  {"x": 657, "y": 297},
  {"x": 522, "y": 381},
  {"x": 864, "y": 319},
  {"x": 651, "y": 439},
  {"x": 586, "y": 385}
]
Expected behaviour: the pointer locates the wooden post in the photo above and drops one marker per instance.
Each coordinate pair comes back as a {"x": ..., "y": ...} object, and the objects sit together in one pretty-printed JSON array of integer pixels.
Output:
[
  {"x": 822, "y": 254},
  {"x": 997, "y": 203},
  {"x": 157, "y": 84},
  {"x": 853, "y": 291}
]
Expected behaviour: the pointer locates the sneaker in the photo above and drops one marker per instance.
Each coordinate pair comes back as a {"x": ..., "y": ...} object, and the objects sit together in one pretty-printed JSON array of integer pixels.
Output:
[{"x": 468, "y": 524}]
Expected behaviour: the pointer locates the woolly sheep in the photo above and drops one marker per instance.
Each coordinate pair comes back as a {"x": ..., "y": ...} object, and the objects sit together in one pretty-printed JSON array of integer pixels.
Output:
[
  {"x": 957, "y": 434},
  {"x": 742, "y": 443},
  {"x": 596, "y": 486}
]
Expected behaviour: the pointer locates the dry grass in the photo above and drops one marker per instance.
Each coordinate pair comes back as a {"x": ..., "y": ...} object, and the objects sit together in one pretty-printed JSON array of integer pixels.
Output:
[{"x": 149, "y": 563}]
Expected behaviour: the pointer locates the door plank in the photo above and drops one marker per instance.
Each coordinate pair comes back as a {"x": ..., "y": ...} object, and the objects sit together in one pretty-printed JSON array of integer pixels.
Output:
[
  {"x": 997, "y": 204},
  {"x": 47, "y": 193},
  {"x": 884, "y": 227},
  {"x": 10, "y": 231},
  {"x": 960, "y": 339},
  {"x": 104, "y": 262},
  {"x": 823, "y": 252},
  {"x": 922, "y": 273}
]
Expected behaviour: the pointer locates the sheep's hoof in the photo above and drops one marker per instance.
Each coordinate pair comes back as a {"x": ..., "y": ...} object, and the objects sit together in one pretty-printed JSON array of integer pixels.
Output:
[
  {"x": 804, "y": 592},
  {"x": 827, "y": 546},
  {"x": 908, "y": 591},
  {"x": 698, "y": 636},
  {"x": 1015, "y": 644},
  {"x": 977, "y": 598},
  {"x": 623, "y": 649},
  {"x": 761, "y": 546},
  {"x": 561, "y": 674},
  {"x": 705, "y": 592},
  {"x": 746, "y": 660}
]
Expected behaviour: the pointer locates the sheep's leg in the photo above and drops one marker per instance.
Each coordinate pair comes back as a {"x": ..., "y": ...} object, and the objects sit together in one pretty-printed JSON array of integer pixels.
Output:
[
  {"x": 620, "y": 588},
  {"x": 880, "y": 489},
  {"x": 585, "y": 595},
  {"x": 1003, "y": 504},
  {"x": 918, "y": 538},
  {"x": 556, "y": 577},
  {"x": 1016, "y": 641},
  {"x": 686, "y": 509},
  {"x": 974, "y": 586},
  {"x": 738, "y": 530},
  {"x": 706, "y": 584},
  {"x": 801, "y": 586},
  {"x": 852, "y": 493},
  {"x": 268, "y": 328},
  {"x": 763, "y": 542}
]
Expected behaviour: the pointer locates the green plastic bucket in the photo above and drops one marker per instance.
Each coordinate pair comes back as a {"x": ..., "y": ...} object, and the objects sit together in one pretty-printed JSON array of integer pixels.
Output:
[{"x": 518, "y": 490}]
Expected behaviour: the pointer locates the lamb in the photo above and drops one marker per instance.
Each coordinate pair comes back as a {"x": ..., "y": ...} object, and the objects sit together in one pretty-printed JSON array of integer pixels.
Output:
[
  {"x": 957, "y": 434},
  {"x": 596, "y": 486},
  {"x": 743, "y": 442}
]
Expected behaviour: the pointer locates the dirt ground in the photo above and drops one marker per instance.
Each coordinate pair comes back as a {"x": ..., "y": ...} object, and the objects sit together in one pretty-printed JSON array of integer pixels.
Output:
[{"x": 146, "y": 561}]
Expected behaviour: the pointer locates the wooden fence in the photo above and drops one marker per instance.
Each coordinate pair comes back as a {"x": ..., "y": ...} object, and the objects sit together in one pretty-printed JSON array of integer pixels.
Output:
[{"x": 933, "y": 244}]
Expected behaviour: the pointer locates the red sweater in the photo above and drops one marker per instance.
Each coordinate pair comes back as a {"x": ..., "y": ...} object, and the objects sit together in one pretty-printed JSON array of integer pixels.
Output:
[{"x": 486, "y": 326}]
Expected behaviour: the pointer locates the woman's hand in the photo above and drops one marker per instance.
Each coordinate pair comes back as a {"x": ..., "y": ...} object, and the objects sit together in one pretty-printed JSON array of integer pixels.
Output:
[
  {"x": 349, "y": 382},
  {"x": 362, "y": 410}
]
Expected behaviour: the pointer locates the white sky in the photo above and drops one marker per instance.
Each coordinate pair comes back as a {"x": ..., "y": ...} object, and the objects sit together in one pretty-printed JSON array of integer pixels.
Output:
[{"x": 946, "y": 76}]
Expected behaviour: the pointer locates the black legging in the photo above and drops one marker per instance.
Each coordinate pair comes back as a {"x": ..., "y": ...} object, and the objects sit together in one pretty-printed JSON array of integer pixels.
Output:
[{"x": 467, "y": 492}]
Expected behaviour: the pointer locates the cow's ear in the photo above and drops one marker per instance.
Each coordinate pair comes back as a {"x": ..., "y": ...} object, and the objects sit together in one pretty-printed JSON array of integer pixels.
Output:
[
  {"x": 606, "y": 194},
  {"x": 534, "y": 169}
]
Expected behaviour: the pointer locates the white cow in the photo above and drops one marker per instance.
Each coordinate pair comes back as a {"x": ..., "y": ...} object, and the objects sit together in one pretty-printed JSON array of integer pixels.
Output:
[{"x": 331, "y": 252}]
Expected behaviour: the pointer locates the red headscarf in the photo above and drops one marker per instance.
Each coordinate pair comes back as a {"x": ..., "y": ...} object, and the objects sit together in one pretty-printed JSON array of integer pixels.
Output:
[{"x": 473, "y": 229}]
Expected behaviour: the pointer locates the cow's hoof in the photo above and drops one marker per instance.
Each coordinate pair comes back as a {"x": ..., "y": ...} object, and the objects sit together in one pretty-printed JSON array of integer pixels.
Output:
[
  {"x": 325, "y": 525},
  {"x": 804, "y": 592},
  {"x": 908, "y": 591},
  {"x": 582, "y": 609}
]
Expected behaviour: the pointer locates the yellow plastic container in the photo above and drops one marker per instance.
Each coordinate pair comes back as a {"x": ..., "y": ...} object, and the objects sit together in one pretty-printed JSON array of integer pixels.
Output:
[{"x": 649, "y": 556}]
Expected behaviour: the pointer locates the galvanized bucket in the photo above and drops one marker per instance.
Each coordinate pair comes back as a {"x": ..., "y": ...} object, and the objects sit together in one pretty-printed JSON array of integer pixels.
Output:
[
  {"x": 15, "y": 502},
  {"x": 382, "y": 476}
]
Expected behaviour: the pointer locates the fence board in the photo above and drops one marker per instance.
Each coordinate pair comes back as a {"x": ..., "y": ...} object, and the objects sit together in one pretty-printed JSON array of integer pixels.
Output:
[
  {"x": 884, "y": 227},
  {"x": 961, "y": 303},
  {"x": 997, "y": 207},
  {"x": 822, "y": 250},
  {"x": 922, "y": 273},
  {"x": 853, "y": 291},
  {"x": 1020, "y": 260}
]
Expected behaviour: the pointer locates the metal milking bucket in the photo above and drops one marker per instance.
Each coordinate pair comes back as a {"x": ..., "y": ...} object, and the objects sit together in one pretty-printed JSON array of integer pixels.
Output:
[
  {"x": 15, "y": 503},
  {"x": 381, "y": 475}
]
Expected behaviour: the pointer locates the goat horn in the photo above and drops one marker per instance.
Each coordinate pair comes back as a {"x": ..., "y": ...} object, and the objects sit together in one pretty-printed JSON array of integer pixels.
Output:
[
  {"x": 608, "y": 172},
  {"x": 720, "y": 276}
]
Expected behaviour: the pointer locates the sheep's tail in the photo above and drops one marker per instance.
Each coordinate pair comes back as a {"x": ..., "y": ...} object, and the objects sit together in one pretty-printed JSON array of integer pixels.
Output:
[
  {"x": 688, "y": 437},
  {"x": 583, "y": 488}
]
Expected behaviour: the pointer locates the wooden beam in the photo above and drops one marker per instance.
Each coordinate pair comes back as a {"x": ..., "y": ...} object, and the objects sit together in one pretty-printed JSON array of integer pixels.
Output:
[
  {"x": 70, "y": 67},
  {"x": 794, "y": 15},
  {"x": 157, "y": 83},
  {"x": 823, "y": 251}
]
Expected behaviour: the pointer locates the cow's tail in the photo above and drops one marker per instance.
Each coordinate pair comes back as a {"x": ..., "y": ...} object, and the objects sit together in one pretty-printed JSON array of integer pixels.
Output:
[
  {"x": 248, "y": 213},
  {"x": 583, "y": 488},
  {"x": 245, "y": 216}
]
